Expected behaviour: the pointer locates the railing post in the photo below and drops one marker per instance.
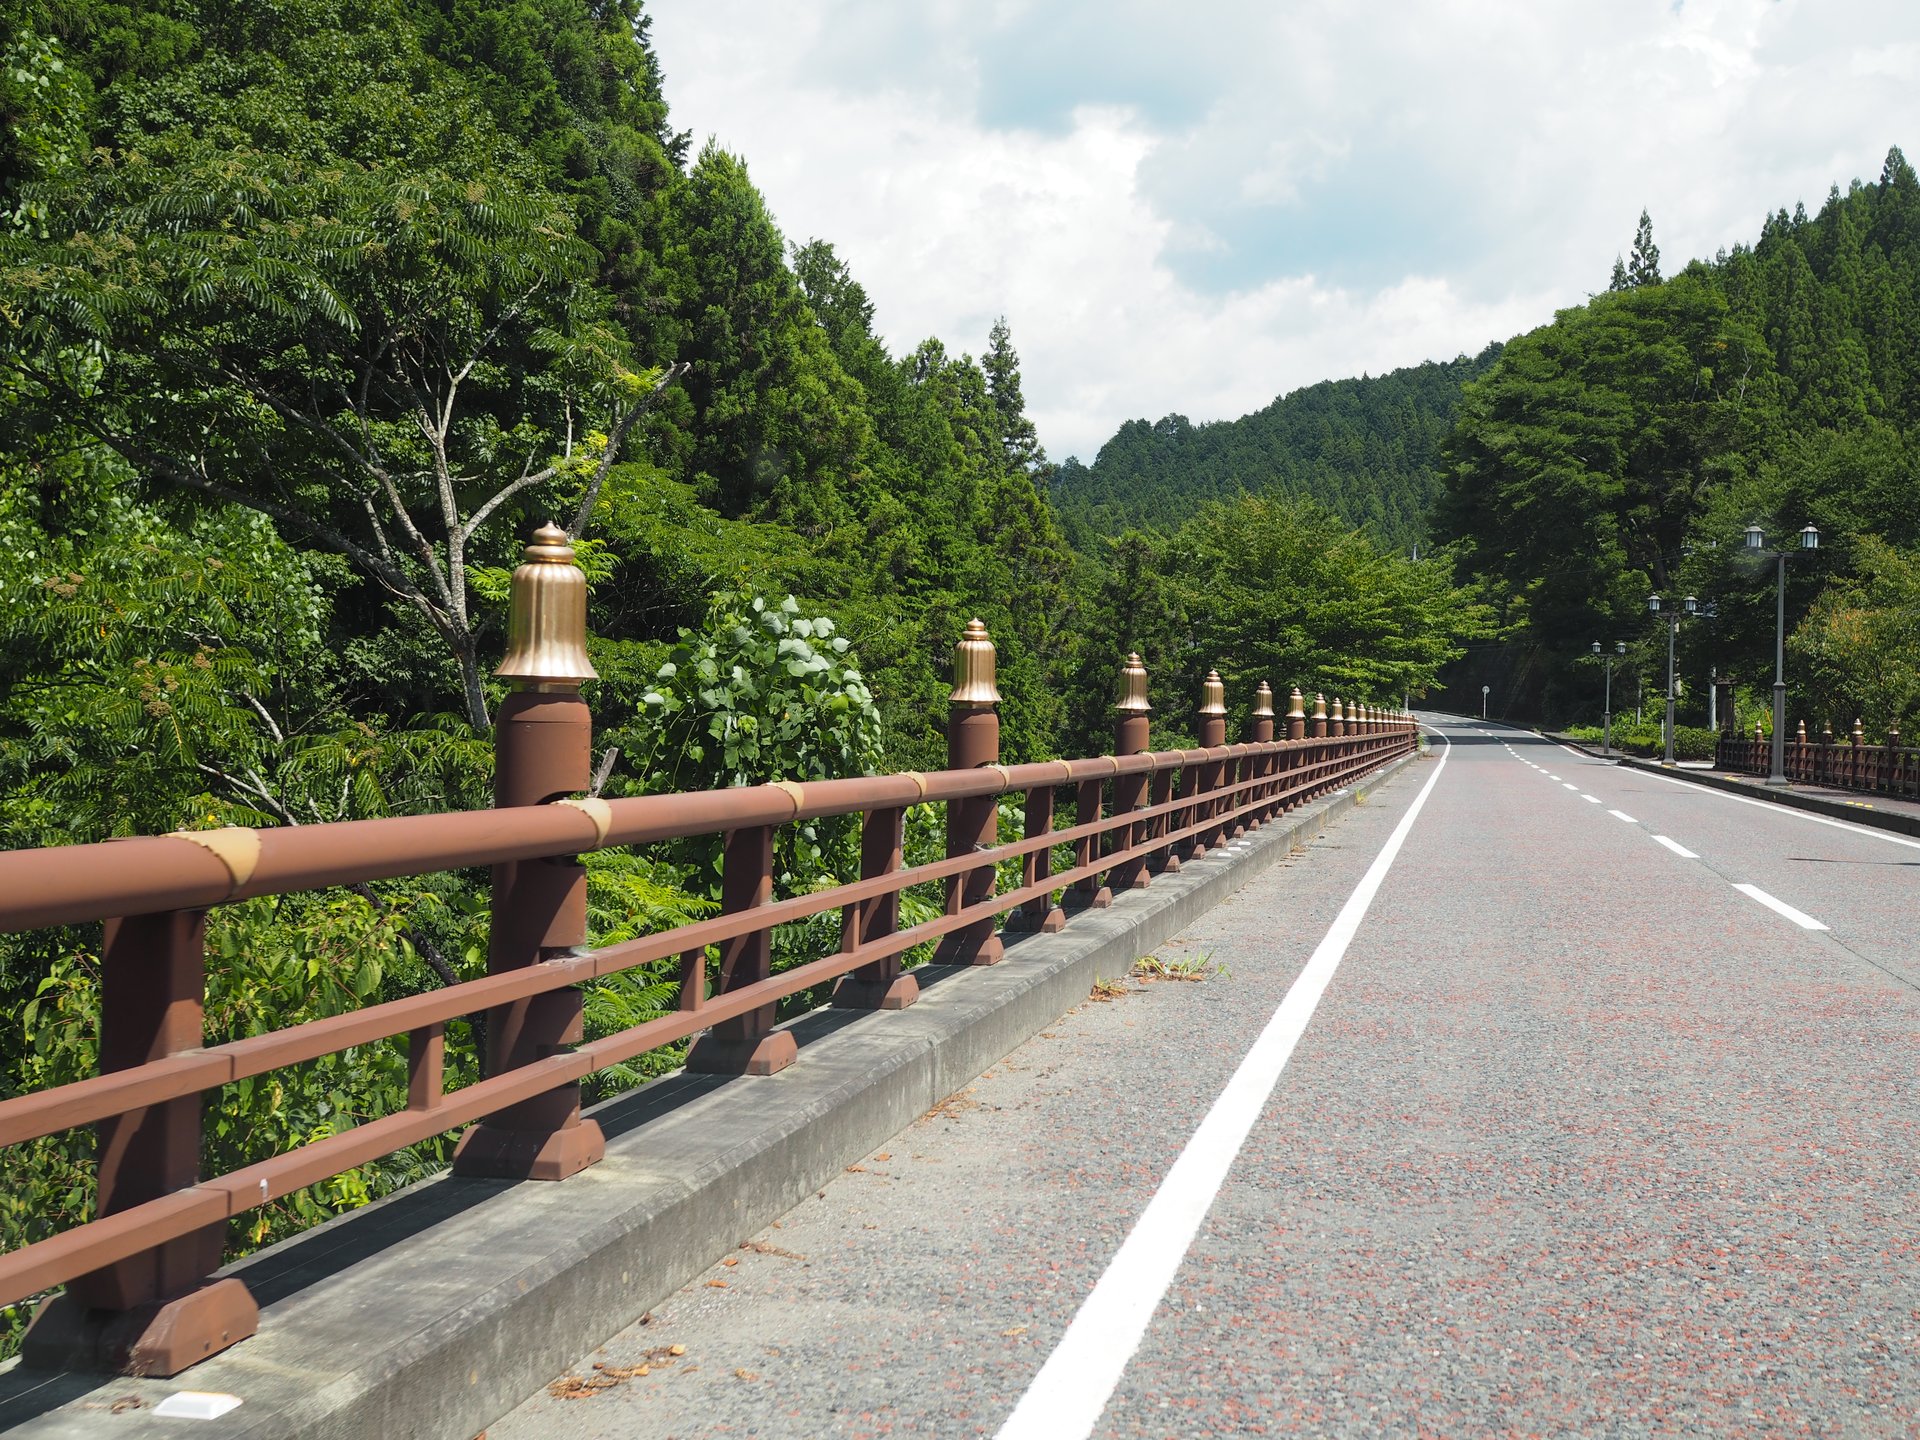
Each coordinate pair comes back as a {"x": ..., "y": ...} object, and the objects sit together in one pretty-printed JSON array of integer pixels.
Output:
[
  {"x": 973, "y": 741},
  {"x": 1318, "y": 762},
  {"x": 1040, "y": 914},
  {"x": 1258, "y": 767},
  {"x": 160, "y": 1311},
  {"x": 881, "y": 985},
  {"x": 1131, "y": 726},
  {"x": 1212, "y": 727},
  {"x": 1292, "y": 758},
  {"x": 746, "y": 1044},
  {"x": 543, "y": 752}
]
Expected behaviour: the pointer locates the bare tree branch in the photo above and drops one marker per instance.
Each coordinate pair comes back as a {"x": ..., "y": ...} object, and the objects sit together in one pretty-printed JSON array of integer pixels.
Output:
[{"x": 615, "y": 438}]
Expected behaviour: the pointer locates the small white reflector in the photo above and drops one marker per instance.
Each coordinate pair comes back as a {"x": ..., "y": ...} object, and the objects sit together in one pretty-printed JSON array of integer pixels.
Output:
[{"x": 196, "y": 1405}]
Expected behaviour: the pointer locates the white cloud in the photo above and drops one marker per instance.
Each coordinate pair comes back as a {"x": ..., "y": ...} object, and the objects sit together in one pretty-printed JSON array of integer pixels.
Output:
[{"x": 1195, "y": 213}]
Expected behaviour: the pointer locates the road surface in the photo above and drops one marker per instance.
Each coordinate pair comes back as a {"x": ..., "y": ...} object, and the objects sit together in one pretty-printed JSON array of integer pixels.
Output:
[{"x": 1537, "y": 1097}]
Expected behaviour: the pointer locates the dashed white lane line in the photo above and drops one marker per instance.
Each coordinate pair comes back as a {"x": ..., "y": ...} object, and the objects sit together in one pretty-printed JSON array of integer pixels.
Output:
[
  {"x": 1591, "y": 799},
  {"x": 1622, "y": 815},
  {"x": 1780, "y": 907},
  {"x": 1568, "y": 784},
  {"x": 1066, "y": 1398},
  {"x": 1556, "y": 777},
  {"x": 1677, "y": 848}
]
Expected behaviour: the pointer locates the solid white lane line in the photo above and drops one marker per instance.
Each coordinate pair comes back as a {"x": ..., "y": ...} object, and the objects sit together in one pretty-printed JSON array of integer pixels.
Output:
[
  {"x": 1677, "y": 848},
  {"x": 1788, "y": 812},
  {"x": 1622, "y": 815},
  {"x": 1065, "y": 1399},
  {"x": 1800, "y": 918},
  {"x": 1591, "y": 799}
]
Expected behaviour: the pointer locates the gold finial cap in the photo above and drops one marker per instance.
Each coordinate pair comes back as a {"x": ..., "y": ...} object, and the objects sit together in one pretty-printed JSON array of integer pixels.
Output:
[
  {"x": 1338, "y": 713},
  {"x": 547, "y": 616},
  {"x": 1132, "y": 699},
  {"x": 1213, "y": 695},
  {"x": 1296, "y": 705},
  {"x": 1319, "y": 705},
  {"x": 973, "y": 678},
  {"x": 1263, "y": 702}
]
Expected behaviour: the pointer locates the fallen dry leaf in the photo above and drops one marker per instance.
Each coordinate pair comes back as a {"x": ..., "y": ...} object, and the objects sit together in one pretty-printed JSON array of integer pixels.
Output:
[
  {"x": 730, "y": 1260},
  {"x": 883, "y": 1155},
  {"x": 745, "y": 1375},
  {"x": 1016, "y": 1330},
  {"x": 856, "y": 1169},
  {"x": 716, "y": 1284},
  {"x": 126, "y": 1403},
  {"x": 676, "y": 1350},
  {"x": 760, "y": 1247}
]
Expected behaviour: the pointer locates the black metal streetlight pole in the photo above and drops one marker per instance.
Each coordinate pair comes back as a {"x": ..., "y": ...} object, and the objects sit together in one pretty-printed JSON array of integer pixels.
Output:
[
  {"x": 1606, "y": 711},
  {"x": 1690, "y": 606},
  {"x": 1757, "y": 541}
]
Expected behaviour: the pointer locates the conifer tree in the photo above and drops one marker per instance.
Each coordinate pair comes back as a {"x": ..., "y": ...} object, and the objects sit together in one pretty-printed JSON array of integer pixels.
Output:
[
  {"x": 1644, "y": 267},
  {"x": 1018, "y": 438}
]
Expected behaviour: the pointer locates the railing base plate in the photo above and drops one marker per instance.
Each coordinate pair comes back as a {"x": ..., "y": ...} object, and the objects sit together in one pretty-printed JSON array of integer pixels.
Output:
[
  {"x": 853, "y": 993},
  {"x": 764, "y": 1055},
  {"x": 488, "y": 1153},
  {"x": 158, "y": 1339}
]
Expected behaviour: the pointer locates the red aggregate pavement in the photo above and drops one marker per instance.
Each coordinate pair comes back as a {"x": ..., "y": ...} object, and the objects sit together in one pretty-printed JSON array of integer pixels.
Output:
[{"x": 1581, "y": 1140}]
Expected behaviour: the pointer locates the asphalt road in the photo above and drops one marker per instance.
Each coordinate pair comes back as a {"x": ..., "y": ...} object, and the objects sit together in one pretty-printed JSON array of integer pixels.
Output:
[{"x": 1581, "y": 1138}]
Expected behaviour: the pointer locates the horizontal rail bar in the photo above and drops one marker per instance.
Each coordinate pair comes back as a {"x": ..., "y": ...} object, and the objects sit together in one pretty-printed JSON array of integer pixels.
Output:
[{"x": 77, "y": 884}]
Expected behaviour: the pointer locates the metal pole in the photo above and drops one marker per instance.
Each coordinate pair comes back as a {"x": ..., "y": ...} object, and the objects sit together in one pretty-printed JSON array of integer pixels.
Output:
[
  {"x": 1673, "y": 633},
  {"x": 1606, "y": 713},
  {"x": 1779, "y": 762}
]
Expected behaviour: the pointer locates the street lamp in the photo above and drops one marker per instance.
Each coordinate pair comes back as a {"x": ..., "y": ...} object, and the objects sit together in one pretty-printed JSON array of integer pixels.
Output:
[
  {"x": 1757, "y": 543},
  {"x": 1606, "y": 712},
  {"x": 1690, "y": 606}
]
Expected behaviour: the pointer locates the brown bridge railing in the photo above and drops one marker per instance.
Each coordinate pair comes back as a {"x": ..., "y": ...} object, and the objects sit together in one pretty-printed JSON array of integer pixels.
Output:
[
  {"x": 140, "y": 1294},
  {"x": 1849, "y": 764}
]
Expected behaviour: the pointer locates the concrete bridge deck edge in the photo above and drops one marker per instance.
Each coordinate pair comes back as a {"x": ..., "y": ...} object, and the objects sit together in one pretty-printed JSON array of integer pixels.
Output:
[{"x": 442, "y": 1307}]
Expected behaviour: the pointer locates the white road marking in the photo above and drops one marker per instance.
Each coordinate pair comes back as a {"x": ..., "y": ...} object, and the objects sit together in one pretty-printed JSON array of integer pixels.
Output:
[
  {"x": 1677, "y": 848},
  {"x": 1555, "y": 777},
  {"x": 1568, "y": 784},
  {"x": 1788, "y": 811},
  {"x": 1065, "y": 1399},
  {"x": 1800, "y": 918},
  {"x": 1591, "y": 799},
  {"x": 1622, "y": 815}
]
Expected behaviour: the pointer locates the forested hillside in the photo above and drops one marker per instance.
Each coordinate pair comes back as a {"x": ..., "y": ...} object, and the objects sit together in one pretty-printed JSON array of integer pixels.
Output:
[
  {"x": 313, "y": 311},
  {"x": 1368, "y": 450},
  {"x": 1623, "y": 449}
]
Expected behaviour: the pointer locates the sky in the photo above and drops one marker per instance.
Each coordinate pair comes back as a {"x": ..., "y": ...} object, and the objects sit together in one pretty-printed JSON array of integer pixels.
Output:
[{"x": 1196, "y": 207}]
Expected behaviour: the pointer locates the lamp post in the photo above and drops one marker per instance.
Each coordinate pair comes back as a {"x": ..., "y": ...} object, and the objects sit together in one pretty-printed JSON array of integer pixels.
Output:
[
  {"x": 1757, "y": 543},
  {"x": 1606, "y": 712},
  {"x": 1688, "y": 606}
]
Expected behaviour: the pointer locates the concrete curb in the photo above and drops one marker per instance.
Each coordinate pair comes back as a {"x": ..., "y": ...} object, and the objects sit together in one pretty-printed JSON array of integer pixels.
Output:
[
  {"x": 440, "y": 1308},
  {"x": 1861, "y": 813}
]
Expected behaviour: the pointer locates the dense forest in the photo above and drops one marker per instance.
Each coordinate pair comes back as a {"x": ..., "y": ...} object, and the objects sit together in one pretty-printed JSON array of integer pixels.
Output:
[
  {"x": 1623, "y": 449},
  {"x": 1368, "y": 450},
  {"x": 313, "y": 311}
]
